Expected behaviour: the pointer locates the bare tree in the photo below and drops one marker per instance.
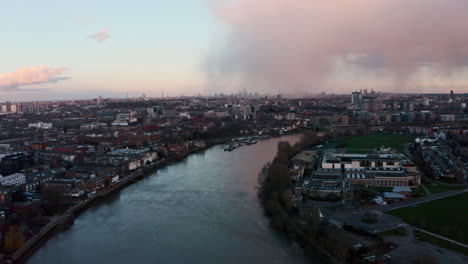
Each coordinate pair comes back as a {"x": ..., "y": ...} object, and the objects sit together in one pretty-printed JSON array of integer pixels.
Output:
[{"x": 54, "y": 197}]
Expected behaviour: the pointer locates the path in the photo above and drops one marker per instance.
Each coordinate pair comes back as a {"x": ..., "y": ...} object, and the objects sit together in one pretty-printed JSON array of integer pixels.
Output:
[{"x": 415, "y": 201}]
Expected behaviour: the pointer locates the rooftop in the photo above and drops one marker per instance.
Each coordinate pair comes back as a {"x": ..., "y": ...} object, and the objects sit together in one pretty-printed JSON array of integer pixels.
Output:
[{"x": 303, "y": 157}]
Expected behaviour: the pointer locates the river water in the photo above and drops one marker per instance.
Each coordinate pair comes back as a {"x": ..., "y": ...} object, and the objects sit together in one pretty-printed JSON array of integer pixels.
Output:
[{"x": 201, "y": 210}]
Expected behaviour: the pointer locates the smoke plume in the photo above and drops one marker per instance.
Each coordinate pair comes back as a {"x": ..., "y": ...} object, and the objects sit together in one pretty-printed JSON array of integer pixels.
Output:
[{"x": 340, "y": 45}]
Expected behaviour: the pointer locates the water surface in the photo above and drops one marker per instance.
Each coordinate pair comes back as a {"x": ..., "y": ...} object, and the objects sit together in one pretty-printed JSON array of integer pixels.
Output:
[{"x": 201, "y": 210}]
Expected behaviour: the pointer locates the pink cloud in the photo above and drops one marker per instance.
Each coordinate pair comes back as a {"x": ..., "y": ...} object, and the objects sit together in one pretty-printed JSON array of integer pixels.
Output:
[
  {"x": 101, "y": 36},
  {"x": 297, "y": 44},
  {"x": 29, "y": 76}
]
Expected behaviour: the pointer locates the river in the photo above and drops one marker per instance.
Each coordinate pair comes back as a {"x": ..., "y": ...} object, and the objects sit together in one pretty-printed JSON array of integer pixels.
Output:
[{"x": 201, "y": 210}]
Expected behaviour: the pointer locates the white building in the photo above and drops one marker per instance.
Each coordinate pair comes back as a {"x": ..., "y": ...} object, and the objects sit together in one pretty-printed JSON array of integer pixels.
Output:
[
  {"x": 76, "y": 193},
  {"x": 124, "y": 119},
  {"x": 291, "y": 116},
  {"x": 185, "y": 115},
  {"x": 149, "y": 157},
  {"x": 447, "y": 118},
  {"x": 40, "y": 125},
  {"x": 93, "y": 125},
  {"x": 426, "y": 101},
  {"x": 360, "y": 161},
  {"x": 14, "y": 179},
  {"x": 115, "y": 179},
  {"x": 381, "y": 170},
  {"x": 133, "y": 165}
]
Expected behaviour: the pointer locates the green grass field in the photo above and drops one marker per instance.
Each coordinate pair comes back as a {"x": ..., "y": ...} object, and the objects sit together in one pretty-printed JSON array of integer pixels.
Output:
[
  {"x": 360, "y": 144},
  {"x": 447, "y": 217},
  {"x": 436, "y": 188},
  {"x": 418, "y": 192}
]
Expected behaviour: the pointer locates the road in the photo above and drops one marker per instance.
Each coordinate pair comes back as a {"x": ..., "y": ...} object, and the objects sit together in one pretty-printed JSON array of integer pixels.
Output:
[
  {"x": 410, "y": 248},
  {"x": 403, "y": 223}
]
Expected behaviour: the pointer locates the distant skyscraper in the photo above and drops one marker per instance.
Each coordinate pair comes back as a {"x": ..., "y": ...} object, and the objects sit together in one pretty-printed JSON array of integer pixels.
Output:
[
  {"x": 426, "y": 101},
  {"x": 6, "y": 107},
  {"x": 356, "y": 97},
  {"x": 405, "y": 106},
  {"x": 370, "y": 104}
]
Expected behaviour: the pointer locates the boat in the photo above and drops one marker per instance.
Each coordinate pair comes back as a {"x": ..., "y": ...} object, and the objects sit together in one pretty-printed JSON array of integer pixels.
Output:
[
  {"x": 251, "y": 142},
  {"x": 230, "y": 148}
]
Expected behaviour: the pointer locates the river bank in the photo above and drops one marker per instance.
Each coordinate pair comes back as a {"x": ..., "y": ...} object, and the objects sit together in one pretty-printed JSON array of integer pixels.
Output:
[
  {"x": 63, "y": 222},
  {"x": 201, "y": 210},
  {"x": 303, "y": 226}
]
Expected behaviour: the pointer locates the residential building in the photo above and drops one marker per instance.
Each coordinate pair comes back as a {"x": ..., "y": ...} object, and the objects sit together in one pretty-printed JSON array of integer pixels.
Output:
[{"x": 13, "y": 179}]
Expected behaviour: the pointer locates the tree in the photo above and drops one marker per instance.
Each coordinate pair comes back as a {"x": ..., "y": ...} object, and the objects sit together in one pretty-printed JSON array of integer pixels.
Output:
[
  {"x": 287, "y": 200},
  {"x": 312, "y": 222},
  {"x": 279, "y": 176},
  {"x": 336, "y": 241},
  {"x": 54, "y": 197},
  {"x": 370, "y": 217},
  {"x": 262, "y": 177},
  {"x": 460, "y": 176},
  {"x": 365, "y": 195},
  {"x": 107, "y": 181},
  {"x": 78, "y": 161},
  {"x": 285, "y": 151},
  {"x": 14, "y": 239}
]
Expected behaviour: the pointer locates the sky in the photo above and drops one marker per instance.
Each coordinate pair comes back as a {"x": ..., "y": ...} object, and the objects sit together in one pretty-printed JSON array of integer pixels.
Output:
[{"x": 67, "y": 49}]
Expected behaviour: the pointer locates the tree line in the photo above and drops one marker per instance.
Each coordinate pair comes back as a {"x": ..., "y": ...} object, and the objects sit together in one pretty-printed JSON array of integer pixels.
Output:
[{"x": 275, "y": 194}]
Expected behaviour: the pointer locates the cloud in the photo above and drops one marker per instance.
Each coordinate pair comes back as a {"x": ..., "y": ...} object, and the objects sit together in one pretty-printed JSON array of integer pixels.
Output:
[
  {"x": 101, "y": 36},
  {"x": 13, "y": 81},
  {"x": 315, "y": 44}
]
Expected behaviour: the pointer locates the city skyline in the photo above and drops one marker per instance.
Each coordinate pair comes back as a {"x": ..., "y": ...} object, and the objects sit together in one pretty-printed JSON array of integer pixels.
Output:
[
  {"x": 69, "y": 50},
  {"x": 225, "y": 131}
]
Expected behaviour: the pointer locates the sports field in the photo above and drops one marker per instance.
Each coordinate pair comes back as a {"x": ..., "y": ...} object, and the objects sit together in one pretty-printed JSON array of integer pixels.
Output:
[
  {"x": 447, "y": 216},
  {"x": 363, "y": 143},
  {"x": 436, "y": 188}
]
